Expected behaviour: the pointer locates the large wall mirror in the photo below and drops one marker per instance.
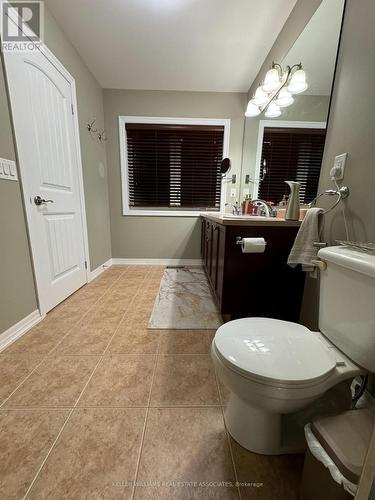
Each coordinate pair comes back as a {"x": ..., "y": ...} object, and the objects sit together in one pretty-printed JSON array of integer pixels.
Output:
[{"x": 290, "y": 146}]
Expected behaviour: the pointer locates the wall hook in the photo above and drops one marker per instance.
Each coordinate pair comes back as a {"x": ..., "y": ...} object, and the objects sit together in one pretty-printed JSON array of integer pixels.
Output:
[
  {"x": 90, "y": 126},
  {"x": 101, "y": 136}
]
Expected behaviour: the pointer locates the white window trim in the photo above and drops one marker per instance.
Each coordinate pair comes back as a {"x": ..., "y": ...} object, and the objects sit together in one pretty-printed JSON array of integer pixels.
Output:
[
  {"x": 275, "y": 124},
  {"x": 123, "y": 120}
]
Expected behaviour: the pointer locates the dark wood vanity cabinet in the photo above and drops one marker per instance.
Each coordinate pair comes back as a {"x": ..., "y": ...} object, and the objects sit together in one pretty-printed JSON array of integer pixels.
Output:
[
  {"x": 252, "y": 284},
  {"x": 213, "y": 252}
]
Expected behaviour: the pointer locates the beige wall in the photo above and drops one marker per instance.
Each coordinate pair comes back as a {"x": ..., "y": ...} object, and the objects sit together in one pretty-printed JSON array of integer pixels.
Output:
[
  {"x": 312, "y": 108},
  {"x": 17, "y": 290},
  {"x": 351, "y": 129},
  {"x": 163, "y": 237},
  {"x": 90, "y": 106}
]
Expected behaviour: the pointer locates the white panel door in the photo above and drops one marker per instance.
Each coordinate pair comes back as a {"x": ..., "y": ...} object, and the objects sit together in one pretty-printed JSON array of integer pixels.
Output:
[{"x": 42, "y": 98}]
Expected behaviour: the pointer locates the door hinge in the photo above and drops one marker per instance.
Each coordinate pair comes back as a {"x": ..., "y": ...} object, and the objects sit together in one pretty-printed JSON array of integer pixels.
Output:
[
  {"x": 72, "y": 109},
  {"x": 85, "y": 264}
]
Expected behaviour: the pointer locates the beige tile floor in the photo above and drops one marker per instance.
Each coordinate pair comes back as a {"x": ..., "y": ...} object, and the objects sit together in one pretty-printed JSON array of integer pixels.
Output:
[{"x": 95, "y": 406}]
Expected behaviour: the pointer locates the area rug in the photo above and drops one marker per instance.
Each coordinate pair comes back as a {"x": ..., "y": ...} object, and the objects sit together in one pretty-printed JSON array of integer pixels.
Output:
[{"x": 184, "y": 302}]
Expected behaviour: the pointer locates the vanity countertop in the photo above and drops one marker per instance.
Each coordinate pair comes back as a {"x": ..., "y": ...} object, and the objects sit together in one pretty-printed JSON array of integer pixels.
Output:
[{"x": 248, "y": 221}]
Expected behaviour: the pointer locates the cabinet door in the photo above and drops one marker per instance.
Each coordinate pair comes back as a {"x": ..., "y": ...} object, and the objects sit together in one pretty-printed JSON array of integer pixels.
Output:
[
  {"x": 214, "y": 255},
  {"x": 220, "y": 263},
  {"x": 203, "y": 241},
  {"x": 258, "y": 277},
  {"x": 208, "y": 246}
]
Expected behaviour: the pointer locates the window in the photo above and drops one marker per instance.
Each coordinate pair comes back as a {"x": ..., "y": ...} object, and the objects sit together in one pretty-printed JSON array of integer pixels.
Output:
[
  {"x": 291, "y": 153},
  {"x": 172, "y": 166}
]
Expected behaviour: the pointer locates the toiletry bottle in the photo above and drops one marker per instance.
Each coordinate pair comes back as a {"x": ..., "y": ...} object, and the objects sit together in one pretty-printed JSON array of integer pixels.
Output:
[
  {"x": 243, "y": 207},
  {"x": 246, "y": 202},
  {"x": 284, "y": 201},
  {"x": 250, "y": 206}
]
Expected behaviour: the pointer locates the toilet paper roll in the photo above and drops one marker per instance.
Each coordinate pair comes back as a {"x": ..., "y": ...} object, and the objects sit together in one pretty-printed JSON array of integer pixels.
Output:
[{"x": 253, "y": 245}]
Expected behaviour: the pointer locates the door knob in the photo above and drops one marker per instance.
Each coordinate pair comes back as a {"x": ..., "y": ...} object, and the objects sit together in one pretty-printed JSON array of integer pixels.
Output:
[{"x": 39, "y": 201}]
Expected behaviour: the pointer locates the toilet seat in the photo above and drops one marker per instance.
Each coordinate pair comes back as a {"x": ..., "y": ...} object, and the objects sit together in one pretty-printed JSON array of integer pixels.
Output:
[{"x": 274, "y": 352}]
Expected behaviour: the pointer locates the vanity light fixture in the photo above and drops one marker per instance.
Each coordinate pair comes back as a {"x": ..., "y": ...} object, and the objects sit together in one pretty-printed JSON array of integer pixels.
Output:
[
  {"x": 252, "y": 110},
  {"x": 273, "y": 110},
  {"x": 276, "y": 90},
  {"x": 284, "y": 98},
  {"x": 298, "y": 83},
  {"x": 272, "y": 80},
  {"x": 260, "y": 97}
]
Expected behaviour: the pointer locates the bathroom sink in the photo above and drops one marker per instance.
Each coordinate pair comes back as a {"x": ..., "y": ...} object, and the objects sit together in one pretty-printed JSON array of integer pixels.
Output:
[{"x": 247, "y": 217}]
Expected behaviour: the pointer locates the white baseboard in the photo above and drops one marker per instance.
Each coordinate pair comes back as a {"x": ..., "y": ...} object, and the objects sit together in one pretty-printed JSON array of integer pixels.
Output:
[
  {"x": 99, "y": 270},
  {"x": 160, "y": 262},
  {"x": 16, "y": 331}
]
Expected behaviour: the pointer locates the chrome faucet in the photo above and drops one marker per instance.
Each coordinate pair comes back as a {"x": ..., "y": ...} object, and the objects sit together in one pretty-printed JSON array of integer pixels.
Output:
[
  {"x": 267, "y": 209},
  {"x": 235, "y": 208}
]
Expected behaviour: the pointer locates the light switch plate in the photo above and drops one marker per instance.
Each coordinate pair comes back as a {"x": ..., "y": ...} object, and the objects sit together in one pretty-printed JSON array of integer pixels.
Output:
[
  {"x": 338, "y": 169},
  {"x": 233, "y": 192},
  {"x": 8, "y": 170},
  {"x": 246, "y": 192}
]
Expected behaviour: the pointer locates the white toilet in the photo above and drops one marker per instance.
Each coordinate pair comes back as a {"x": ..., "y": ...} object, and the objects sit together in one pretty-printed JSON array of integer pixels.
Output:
[{"x": 275, "y": 369}]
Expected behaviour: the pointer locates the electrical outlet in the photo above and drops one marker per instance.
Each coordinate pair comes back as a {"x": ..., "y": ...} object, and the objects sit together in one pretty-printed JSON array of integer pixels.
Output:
[
  {"x": 246, "y": 192},
  {"x": 233, "y": 193},
  {"x": 338, "y": 169}
]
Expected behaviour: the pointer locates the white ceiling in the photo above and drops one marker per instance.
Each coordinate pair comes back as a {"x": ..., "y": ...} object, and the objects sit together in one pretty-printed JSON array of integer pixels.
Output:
[
  {"x": 202, "y": 45},
  {"x": 316, "y": 47}
]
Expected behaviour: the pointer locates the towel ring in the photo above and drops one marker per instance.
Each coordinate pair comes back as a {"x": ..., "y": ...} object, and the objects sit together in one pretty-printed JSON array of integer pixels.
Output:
[{"x": 341, "y": 194}]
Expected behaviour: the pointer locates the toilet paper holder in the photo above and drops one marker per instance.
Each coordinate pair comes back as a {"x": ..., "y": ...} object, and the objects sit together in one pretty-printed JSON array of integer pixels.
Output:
[{"x": 239, "y": 240}]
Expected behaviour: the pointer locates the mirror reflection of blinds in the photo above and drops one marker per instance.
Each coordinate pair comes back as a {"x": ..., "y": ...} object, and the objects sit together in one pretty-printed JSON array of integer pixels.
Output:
[
  {"x": 291, "y": 154},
  {"x": 174, "y": 166}
]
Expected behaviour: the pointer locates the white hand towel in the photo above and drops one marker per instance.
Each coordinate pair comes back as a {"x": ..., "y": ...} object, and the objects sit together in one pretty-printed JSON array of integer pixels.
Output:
[{"x": 304, "y": 251}]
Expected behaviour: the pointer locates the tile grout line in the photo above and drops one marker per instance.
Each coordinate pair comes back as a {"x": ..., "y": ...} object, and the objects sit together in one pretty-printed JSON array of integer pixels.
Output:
[
  {"x": 48, "y": 453},
  {"x": 158, "y": 355},
  {"x": 81, "y": 393},
  {"x": 146, "y": 420},
  {"x": 161, "y": 406},
  {"x": 183, "y": 406},
  {"x": 57, "y": 345},
  {"x": 145, "y": 423},
  {"x": 228, "y": 437}
]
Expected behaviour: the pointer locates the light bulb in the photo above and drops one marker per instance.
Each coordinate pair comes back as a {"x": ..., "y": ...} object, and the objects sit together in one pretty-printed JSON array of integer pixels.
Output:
[
  {"x": 273, "y": 111},
  {"x": 260, "y": 97},
  {"x": 284, "y": 98},
  {"x": 252, "y": 110},
  {"x": 298, "y": 83},
  {"x": 271, "y": 81}
]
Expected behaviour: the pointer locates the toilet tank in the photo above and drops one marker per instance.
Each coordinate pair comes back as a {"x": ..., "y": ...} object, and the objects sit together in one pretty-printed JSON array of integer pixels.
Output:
[{"x": 347, "y": 303}]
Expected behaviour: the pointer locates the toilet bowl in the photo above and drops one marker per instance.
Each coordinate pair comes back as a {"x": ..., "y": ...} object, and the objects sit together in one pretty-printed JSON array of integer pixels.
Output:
[
  {"x": 278, "y": 373},
  {"x": 272, "y": 368}
]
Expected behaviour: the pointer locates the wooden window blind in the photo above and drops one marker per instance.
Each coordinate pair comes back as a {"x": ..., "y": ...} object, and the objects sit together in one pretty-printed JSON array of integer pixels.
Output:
[
  {"x": 291, "y": 154},
  {"x": 174, "y": 166}
]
